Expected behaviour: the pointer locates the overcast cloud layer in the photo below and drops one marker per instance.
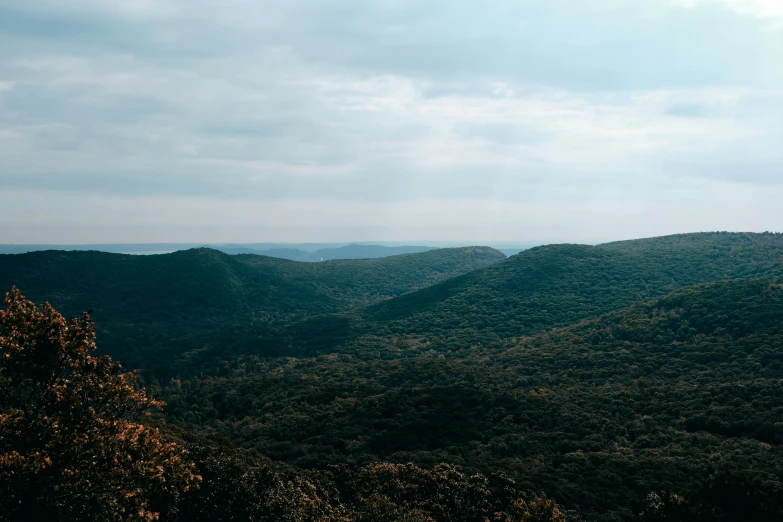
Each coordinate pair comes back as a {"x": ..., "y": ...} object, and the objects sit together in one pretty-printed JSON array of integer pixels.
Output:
[{"x": 308, "y": 120}]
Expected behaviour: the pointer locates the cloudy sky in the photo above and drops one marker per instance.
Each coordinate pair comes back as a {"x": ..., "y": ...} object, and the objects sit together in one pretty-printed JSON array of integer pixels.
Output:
[{"x": 398, "y": 120}]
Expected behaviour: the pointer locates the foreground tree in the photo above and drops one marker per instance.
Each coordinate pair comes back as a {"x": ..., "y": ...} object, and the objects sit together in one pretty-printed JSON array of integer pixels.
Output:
[{"x": 71, "y": 446}]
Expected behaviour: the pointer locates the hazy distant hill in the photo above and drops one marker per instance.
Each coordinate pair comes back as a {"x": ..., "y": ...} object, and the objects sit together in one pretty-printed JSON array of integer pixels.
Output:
[
  {"x": 293, "y": 254},
  {"x": 202, "y": 300},
  {"x": 313, "y": 253},
  {"x": 655, "y": 397},
  {"x": 328, "y": 254},
  {"x": 118, "y": 248}
]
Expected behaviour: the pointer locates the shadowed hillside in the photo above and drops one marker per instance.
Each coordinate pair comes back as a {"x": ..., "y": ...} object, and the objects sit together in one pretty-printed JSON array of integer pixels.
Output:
[
  {"x": 538, "y": 289},
  {"x": 654, "y": 397},
  {"x": 532, "y": 291},
  {"x": 588, "y": 373},
  {"x": 177, "y": 309}
]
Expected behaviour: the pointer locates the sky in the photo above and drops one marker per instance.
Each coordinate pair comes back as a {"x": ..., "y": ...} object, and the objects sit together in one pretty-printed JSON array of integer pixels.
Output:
[{"x": 388, "y": 120}]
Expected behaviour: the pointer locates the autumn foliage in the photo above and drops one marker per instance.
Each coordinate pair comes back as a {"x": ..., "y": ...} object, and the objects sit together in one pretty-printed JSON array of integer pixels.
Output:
[
  {"x": 71, "y": 446},
  {"x": 242, "y": 485}
]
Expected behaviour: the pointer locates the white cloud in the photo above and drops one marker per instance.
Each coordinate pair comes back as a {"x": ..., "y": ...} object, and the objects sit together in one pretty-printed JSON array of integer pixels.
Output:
[
  {"x": 759, "y": 8},
  {"x": 369, "y": 137},
  {"x": 397, "y": 108}
]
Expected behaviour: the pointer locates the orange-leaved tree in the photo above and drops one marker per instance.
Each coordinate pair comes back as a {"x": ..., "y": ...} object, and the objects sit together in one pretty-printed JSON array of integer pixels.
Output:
[{"x": 71, "y": 446}]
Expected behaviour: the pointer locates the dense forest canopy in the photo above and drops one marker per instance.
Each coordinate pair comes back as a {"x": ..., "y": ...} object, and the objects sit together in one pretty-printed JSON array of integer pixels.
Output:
[
  {"x": 74, "y": 447},
  {"x": 710, "y": 256},
  {"x": 651, "y": 397},
  {"x": 175, "y": 313},
  {"x": 536, "y": 290},
  {"x": 629, "y": 381}
]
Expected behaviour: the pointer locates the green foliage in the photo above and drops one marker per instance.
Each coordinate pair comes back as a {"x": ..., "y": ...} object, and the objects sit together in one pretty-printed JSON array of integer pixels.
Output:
[
  {"x": 177, "y": 313},
  {"x": 594, "y": 374},
  {"x": 654, "y": 397},
  {"x": 532, "y": 291},
  {"x": 537, "y": 290},
  {"x": 710, "y": 256},
  {"x": 242, "y": 485}
]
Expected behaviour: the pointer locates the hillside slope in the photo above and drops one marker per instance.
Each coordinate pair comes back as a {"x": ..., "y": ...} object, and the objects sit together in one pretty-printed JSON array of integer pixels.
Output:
[
  {"x": 710, "y": 256},
  {"x": 362, "y": 281},
  {"x": 539, "y": 288},
  {"x": 536, "y": 290},
  {"x": 152, "y": 309},
  {"x": 654, "y": 397}
]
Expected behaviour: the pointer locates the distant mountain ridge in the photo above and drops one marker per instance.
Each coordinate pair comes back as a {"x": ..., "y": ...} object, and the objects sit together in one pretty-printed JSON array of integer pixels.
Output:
[
  {"x": 328, "y": 254},
  {"x": 214, "y": 303},
  {"x": 311, "y": 252}
]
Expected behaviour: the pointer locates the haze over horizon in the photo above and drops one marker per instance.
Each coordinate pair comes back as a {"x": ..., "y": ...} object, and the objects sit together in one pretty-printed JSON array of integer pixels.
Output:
[{"x": 532, "y": 122}]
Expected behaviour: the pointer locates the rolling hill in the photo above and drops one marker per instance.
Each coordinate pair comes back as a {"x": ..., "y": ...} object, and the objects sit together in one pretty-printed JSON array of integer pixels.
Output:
[
  {"x": 630, "y": 381},
  {"x": 153, "y": 309},
  {"x": 709, "y": 256},
  {"x": 658, "y": 396},
  {"x": 538, "y": 289}
]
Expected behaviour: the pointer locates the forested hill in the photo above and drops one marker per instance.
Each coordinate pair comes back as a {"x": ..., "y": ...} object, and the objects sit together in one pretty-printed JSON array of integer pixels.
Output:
[
  {"x": 359, "y": 282},
  {"x": 152, "y": 308},
  {"x": 180, "y": 313},
  {"x": 663, "y": 396},
  {"x": 710, "y": 256},
  {"x": 536, "y": 290},
  {"x": 589, "y": 373}
]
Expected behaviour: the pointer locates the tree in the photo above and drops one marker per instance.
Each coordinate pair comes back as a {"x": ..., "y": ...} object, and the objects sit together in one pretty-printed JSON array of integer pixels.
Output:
[{"x": 71, "y": 444}]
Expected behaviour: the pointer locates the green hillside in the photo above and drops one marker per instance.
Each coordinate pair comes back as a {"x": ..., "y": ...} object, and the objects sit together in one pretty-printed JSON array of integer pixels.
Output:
[
  {"x": 654, "y": 397},
  {"x": 710, "y": 256},
  {"x": 536, "y": 290},
  {"x": 532, "y": 291},
  {"x": 601, "y": 376},
  {"x": 179, "y": 312}
]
